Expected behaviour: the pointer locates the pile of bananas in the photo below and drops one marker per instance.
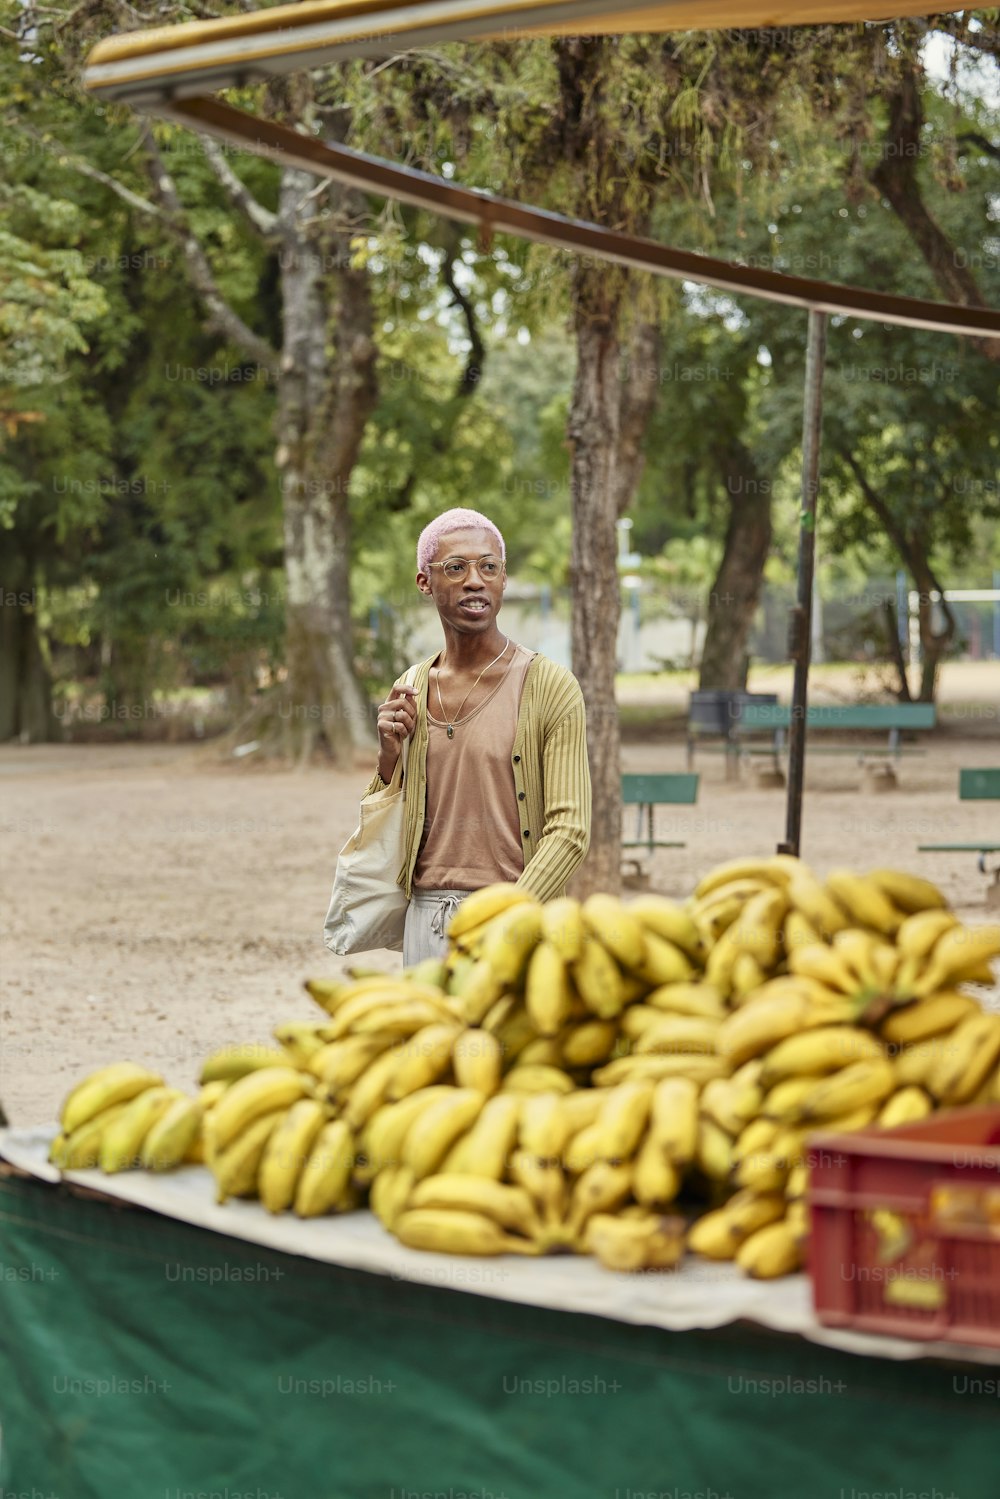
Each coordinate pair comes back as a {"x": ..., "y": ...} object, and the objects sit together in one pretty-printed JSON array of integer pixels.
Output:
[{"x": 607, "y": 1078}]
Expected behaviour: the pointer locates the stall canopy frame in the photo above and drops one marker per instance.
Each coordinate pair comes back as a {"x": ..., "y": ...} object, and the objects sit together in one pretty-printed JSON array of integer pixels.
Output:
[{"x": 167, "y": 70}]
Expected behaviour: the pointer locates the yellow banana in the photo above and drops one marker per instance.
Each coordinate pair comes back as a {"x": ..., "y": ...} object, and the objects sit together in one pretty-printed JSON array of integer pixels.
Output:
[
  {"x": 486, "y": 1149},
  {"x": 423, "y": 1058},
  {"x": 864, "y": 901},
  {"x": 299, "y": 1040},
  {"x": 655, "y": 1179},
  {"x": 927, "y": 1017},
  {"x": 510, "y": 940},
  {"x": 81, "y": 1150},
  {"x": 398, "y": 999},
  {"x": 730, "y": 1104},
  {"x": 818, "y": 907},
  {"x": 762, "y": 1171},
  {"x": 908, "y": 892},
  {"x": 515, "y": 1034},
  {"x": 326, "y": 992},
  {"x": 445, "y": 1231},
  {"x": 583, "y": 1149},
  {"x": 627, "y": 1245},
  {"x": 580, "y": 1109},
  {"x": 914, "y": 1061},
  {"x": 545, "y": 1126},
  {"x": 548, "y": 996},
  {"x": 537, "y": 1078},
  {"x": 797, "y": 1184},
  {"x": 919, "y": 932},
  {"x": 371, "y": 1090},
  {"x": 118, "y": 1083},
  {"x": 623, "y": 1119},
  {"x": 476, "y": 1058},
  {"x": 543, "y": 1051},
  {"x": 617, "y": 927},
  {"x": 965, "y": 1065},
  {"x": 338, "y": 1064},
  {"x": 712, "y": 1236},
  {"x": 857, "y": 947},
  {"x": 483, "y": 905},
  {"x": 904, "y": 1107},
  {"x": 545, "y": 1184},
  {"x": 479, "y": 992},
  {"x": 714, "y": 1153},
  {"x": 286, "y": 1152},
  {"x": 588, "y": 1042},
  {"x": 172, "y": 1135},
  {"x": 748, "y": 1212},
  {"x": 598, "y": 980},
  {"x": 563, "y": 927},
  {"x": 509, "y": 1207},
  {"x": 770, "y": 1252},
  {"x": 258, "y": 1093},
  {"x": 603, "y": 1187},
  {"x": 763, "y": 1023},
  {"x": 869, "y": 1081},
  {"x": 758, "y": 1135},
  {"x": 826, "y": 1049},
  {"x": 761, "y": 870},
  {"x": 687, "y": 998},
  {"x": 747, "y": 976},
  {"x": 235, "y": 1168},
  {"x": 436, "y": 1129},
  {"x": 798, "y": 931},
  {"x": 324, "y": 1182},
  {"x": 381, "y": 1141},
  {"x": 664, "y": 963},
  {"x": 698, "y": 1067},
  {"x": 679, "y": 1033},
  {"x": 390, "y": 1194},
  {"x": 664, "y": 918},
  {"x": 433, "y": 971},
  {"x": 956, "y": 954},
  {"x": 403, "y": 1018},
  {"x": 757, "y": 929},
  {"x": 824, "y": 965},
  {"x": 122, "y": 1139}
]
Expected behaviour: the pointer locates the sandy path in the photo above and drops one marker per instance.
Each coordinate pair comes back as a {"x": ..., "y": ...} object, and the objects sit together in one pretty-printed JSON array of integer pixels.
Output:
[{"x": 156, "y": 906}]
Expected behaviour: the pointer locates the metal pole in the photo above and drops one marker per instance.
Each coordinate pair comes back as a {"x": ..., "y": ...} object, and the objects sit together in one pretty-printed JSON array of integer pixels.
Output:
[
  {"x": 996, "y": 618},
  {"x": 800, "y": 620}
]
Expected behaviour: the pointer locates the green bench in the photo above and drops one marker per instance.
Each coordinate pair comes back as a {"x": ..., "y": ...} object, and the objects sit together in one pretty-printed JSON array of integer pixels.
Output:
[
  {"x": 975, "y": 786},
  {"x": 647, "y": 792},
  {"x": 871, "y": 718}
]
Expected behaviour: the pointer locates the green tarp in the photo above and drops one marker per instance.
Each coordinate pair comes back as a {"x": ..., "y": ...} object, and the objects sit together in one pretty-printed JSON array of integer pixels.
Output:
[{"x": 144, "y": 1359}]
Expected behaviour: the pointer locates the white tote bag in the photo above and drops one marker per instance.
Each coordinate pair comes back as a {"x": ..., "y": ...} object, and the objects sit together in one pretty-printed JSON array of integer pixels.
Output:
[{"x": 368, "y": 907}]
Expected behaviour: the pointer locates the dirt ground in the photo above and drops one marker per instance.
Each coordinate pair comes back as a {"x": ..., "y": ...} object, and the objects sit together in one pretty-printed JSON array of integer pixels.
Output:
[{"x": 158, "y": 904}]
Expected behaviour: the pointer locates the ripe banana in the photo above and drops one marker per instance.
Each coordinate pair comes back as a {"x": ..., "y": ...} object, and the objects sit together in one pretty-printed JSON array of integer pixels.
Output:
[
  {"x": 919, "y": 932},
  {"x": 698, "y": 1068},
  {"x": 687, "y": 998},
  {"x": 340, "y": 1063},
  {"x": 380, "y": 1143},
  {"x": 402, "y": 1018},
  {"x": 510, "y": 939},
  {"x": 825, "y": 1049},
  {"x": 422, "y": 1059},
  {"x": 476, "y": 1059},
  {"x": 630, "y": 1244},
  {"x": 172, "y": 1135},
  {"x": 588, "y": 1042},
  {"x": 757, "y": 929},
  {"x": 731, "y": 1104},
  {"x": 122, "y": 1139},
  {"x": 758, "y": 1135},
  {"x": 546, "y": 1186},
  {"x": 433, "y": 971},
  {"x": 655, "y": 1179},
  {"x": 664, "y": 918},
  {"x": 968, "y": 1061},
  {"x": 603, "y": 1187},
  {"x": 286, "y": 1152},
  {"x": 509, "y": 1207},
  {"x": 798, "y": 931},
  {"x": 563, "y": 927},
  {"x": 956, "y": 955},
  {"x": 81, "y": 1150},
  {"x": 598, "y": 980},
  {"x": 762, "y": 1024},
  {"x": 324, "y": 1182},
  {"x": 446, "y": 1231},
  {"x": 390, "y": 1194},
  {"x": 479, "y": 991},
  {"x": 664, "y": 962},
  {"x": 617, "y": 927},
  {"x": 583, "y": 1149},
  {"x": 622, "y": 1121},
  {"x": 927, "y": 1017},
  {"x": 548, "y": 995},
  {"x": 370, "y": 1090},
  {"x": 299, "y": 1040},
  {"x": 537, "y": 1078},
  {"x": 904, "y": 1107},
  {"x": 770, "y": 1252},
  {"x": 863, "y": 1083},
  {"x": 249, "y": 1097},
  {"x": 545, "y": 1126},
  {"x": 483, "y": 905},
  {"x": 747, "y": 976},
  {"x": 235, "y": 1168},
  {"x": 824, "y": 966},
  {"x": 818, "y": 907},
  {"x": 397, "y": 999},
  {"x": 748, "y": 1212},
  {"x": 436, "y": 1129},
  {"x": 486, "y": 1149},
  {"x": 712, "y": 1236},
  {"x": 118, "y": 1083},
  {"x": 326, "y": 992},
  {"x": 673, "y": 1122},
  {"x": 761, "y": 870},
  {"x": 908, "y": 892},
  {"x": 679, "y": 1033},
  {"x": 714, "y": 1152}
]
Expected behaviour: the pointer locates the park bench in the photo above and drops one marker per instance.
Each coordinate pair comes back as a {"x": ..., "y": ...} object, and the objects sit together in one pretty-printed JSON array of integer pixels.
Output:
[
  {"x": 869, "y": 718},
  {"x": 975, "y": 786},
  {"x": 647, "y": 792},
  {"x": 715, "y": 713}
]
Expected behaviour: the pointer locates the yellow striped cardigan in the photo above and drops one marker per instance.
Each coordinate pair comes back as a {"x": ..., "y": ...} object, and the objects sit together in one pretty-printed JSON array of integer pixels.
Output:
[{"x": 549, "y": 761}]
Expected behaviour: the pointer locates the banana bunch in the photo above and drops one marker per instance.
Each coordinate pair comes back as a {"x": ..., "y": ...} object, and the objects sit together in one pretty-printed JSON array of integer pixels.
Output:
[{"x": 123, "y": 1116}]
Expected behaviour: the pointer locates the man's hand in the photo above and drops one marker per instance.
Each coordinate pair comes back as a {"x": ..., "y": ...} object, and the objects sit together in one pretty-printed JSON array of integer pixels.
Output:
[{"x": 397, "y": 718}]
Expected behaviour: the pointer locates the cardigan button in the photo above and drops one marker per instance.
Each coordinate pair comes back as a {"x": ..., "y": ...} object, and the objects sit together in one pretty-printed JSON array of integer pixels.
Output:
[
  {"x": 526, "y": 833},
  {"x": 520, "y": 796},
  {"x": 517, "y": 759}
]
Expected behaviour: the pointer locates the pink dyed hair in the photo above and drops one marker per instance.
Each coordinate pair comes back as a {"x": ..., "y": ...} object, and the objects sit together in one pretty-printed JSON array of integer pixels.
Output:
[{"x": 453, "y": 520}]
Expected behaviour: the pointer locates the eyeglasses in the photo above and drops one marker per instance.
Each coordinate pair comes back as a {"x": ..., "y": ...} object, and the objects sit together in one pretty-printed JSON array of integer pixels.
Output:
[{"x": 456, "y": 569}]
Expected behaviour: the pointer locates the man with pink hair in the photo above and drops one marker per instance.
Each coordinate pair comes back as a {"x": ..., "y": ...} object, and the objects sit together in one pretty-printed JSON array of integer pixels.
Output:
[{"x": 497, "y": 780}]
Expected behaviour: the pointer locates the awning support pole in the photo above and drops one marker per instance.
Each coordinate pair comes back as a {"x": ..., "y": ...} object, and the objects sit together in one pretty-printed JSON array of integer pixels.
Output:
[{"x": 800, "y": 617}]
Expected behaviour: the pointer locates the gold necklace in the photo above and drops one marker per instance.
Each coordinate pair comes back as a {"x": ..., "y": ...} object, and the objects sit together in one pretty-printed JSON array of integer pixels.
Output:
[{"x": 451, "y": 723}]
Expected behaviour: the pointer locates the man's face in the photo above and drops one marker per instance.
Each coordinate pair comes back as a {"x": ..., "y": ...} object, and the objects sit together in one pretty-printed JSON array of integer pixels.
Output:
[{"x": 468, "y": 604}]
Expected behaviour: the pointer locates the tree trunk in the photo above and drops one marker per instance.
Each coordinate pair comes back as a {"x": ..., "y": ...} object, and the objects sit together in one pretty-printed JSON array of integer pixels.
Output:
[
  {"x": 25, "y": 684},
  {"x": 735, "y": 593},
  {"x": 323, "y": 405},
  {"x": 593, "y": 430}
]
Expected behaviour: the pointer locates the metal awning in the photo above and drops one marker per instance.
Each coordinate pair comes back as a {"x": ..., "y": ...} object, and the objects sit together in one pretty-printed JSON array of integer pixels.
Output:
[{"x": 141, "y": 67}]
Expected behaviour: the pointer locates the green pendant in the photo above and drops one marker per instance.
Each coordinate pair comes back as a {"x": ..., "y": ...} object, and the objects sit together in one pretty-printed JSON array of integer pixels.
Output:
[{"x": 451, "y": 732}]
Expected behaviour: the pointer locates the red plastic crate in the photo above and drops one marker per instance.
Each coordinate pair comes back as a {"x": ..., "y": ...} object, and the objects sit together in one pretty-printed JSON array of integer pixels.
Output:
[{"x": 905, "y": 1232}]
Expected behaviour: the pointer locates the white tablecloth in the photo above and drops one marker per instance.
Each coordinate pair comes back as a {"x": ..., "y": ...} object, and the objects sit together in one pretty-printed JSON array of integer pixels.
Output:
[{"x": 701, "y": 1294}]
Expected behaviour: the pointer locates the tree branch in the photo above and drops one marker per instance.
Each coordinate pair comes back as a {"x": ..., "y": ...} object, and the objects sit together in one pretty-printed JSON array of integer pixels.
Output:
[
  {"x": 982, "y": 143},
  {"x": 221, "y": 317},
  {"x": 473, "y": 371},
  {"x": 260, "y": 218},
  {"x": 64, "y": 157}
]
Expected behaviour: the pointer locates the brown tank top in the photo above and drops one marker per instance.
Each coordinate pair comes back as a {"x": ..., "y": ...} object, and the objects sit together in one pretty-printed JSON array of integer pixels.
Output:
[{"x": 472, "y": 821}]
